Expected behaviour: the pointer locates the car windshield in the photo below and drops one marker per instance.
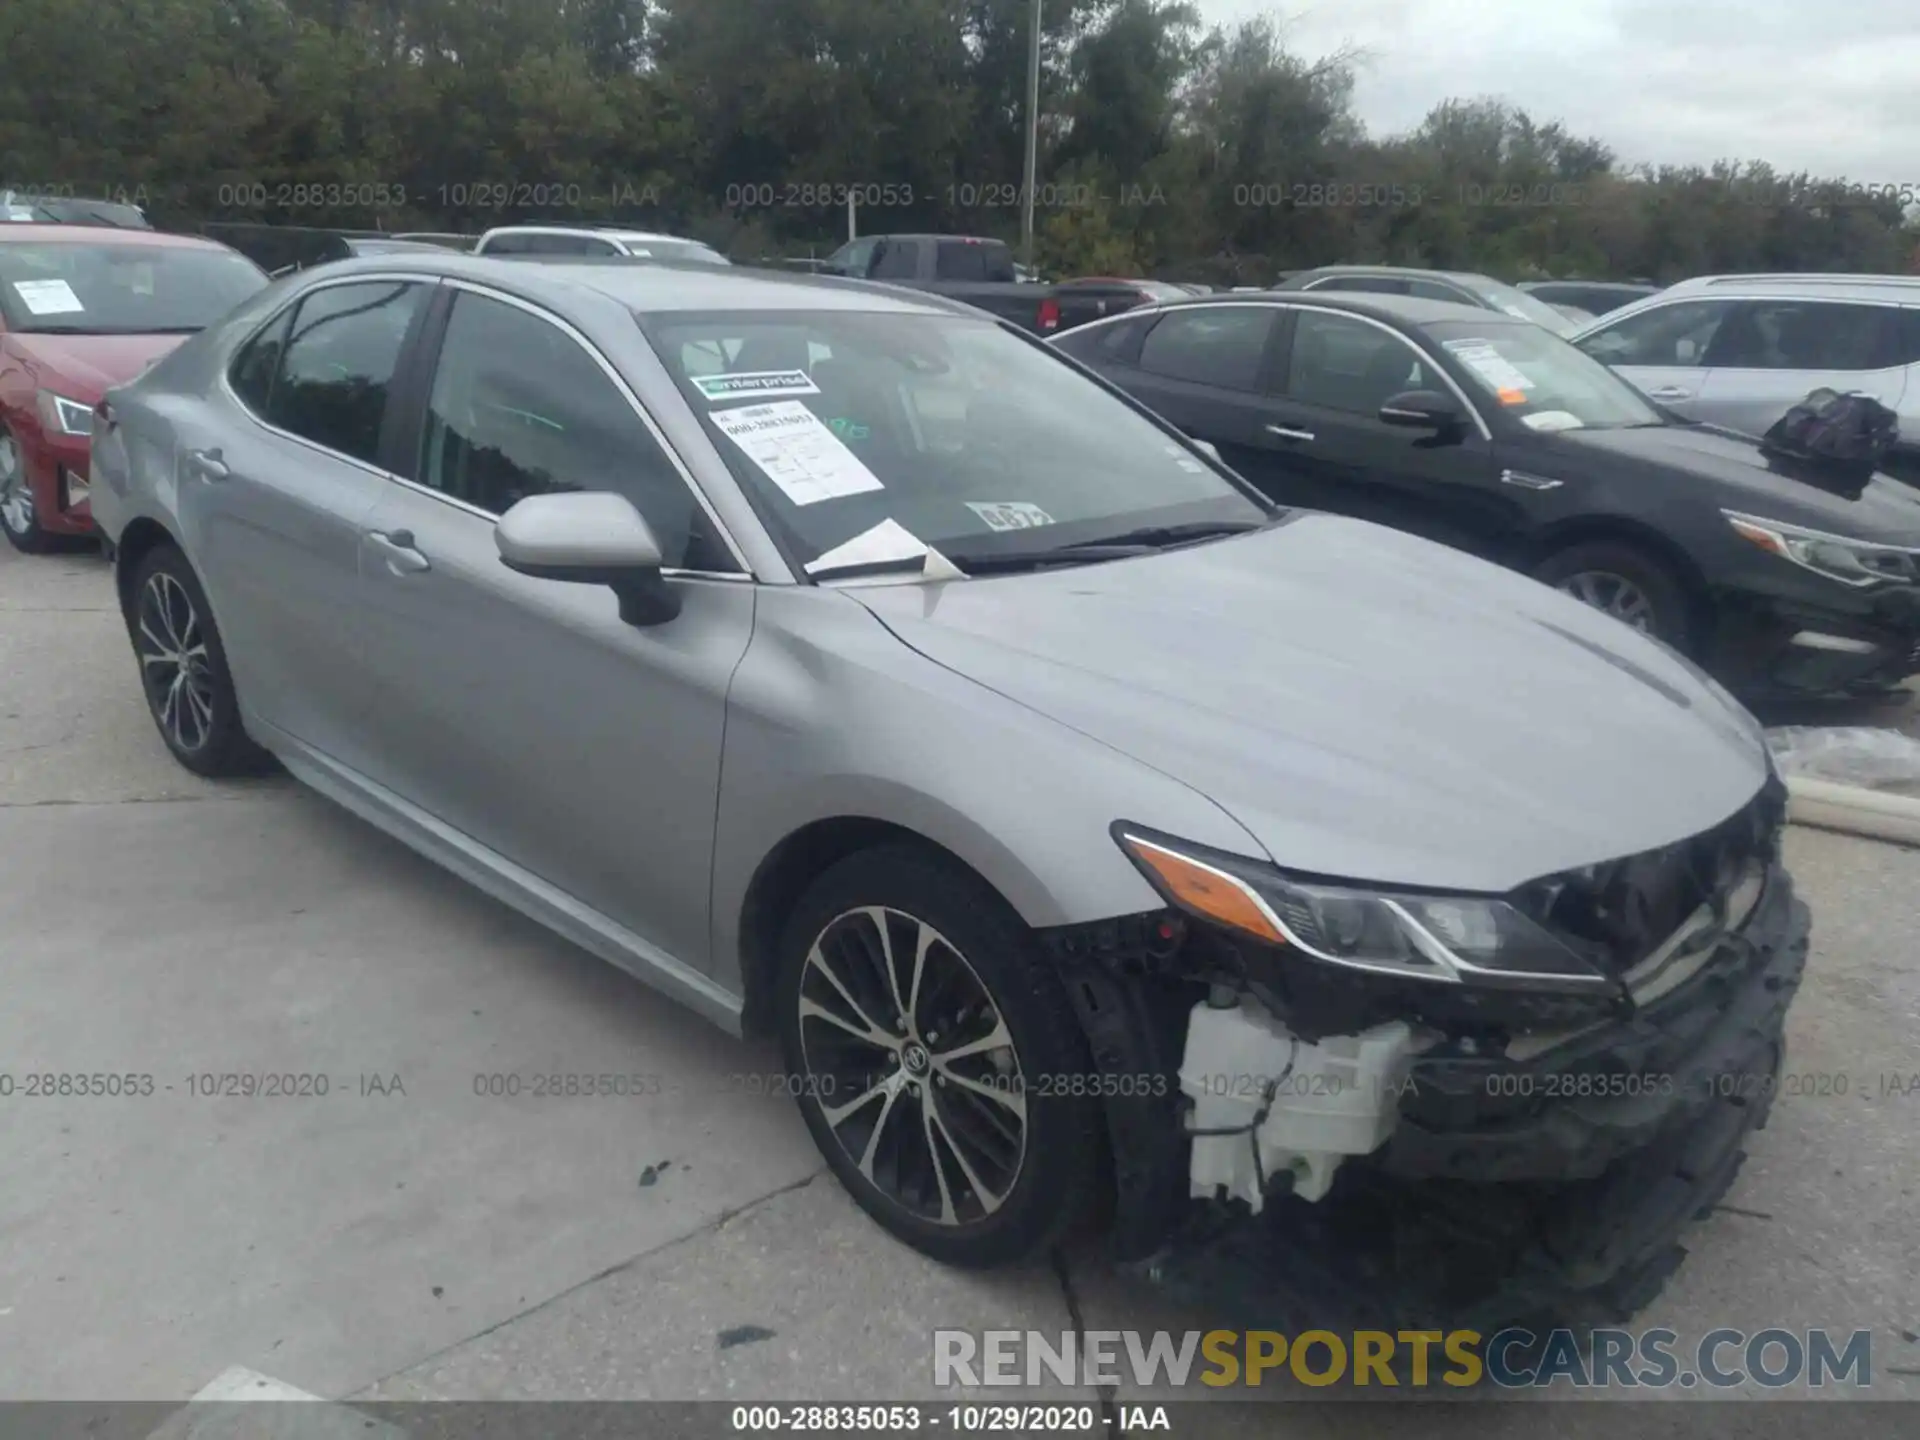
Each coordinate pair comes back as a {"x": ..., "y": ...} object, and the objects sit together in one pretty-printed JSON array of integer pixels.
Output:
[
  {"x": 862, "y": 436},
  {"x": 84, "y": 288},
  {"x": 1540, "y": 379},
  {"x": 1511, "y": 300}
]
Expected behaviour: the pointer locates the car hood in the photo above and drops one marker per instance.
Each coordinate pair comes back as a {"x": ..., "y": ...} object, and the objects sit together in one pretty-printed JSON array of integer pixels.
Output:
[
  {"x": 1874, "y": 508},
  {"x": 84, "y": 367},
  {"x": 1366, "y": 704}
]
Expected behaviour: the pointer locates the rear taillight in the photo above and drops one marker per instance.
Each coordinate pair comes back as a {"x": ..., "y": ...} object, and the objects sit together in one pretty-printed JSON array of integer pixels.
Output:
[{"x": 1049, "y": 314}]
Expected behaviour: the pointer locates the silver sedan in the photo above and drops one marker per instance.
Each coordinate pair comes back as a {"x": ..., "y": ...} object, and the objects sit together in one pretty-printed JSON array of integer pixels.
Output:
[{"x": 846, "y": 664}]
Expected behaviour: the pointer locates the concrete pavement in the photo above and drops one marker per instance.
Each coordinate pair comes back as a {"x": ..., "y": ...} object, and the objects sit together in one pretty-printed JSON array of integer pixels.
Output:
[{"x": 403, "y": 1236}]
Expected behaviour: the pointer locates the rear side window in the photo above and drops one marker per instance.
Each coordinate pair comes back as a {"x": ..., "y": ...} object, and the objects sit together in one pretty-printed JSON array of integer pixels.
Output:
[
  {"x": 1808, "y": 335},
  {"x": 258, "y": 362},
  {"x": 1096, "y": 344},
  {"x": 1220, "y": 345},
  {"x": 970, "y": 260},
  {"x": 894, "y": 260},
  {"x": 507, "y": 245},
  {"x": 337, "y": 364}
]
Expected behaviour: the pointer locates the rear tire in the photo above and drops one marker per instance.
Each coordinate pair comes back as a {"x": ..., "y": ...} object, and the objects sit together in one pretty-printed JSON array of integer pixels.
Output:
[
  {"x": 183, "y": 669},
  {"x": 975, "y": 1153},
  {"x": 1623, "y": 581}
]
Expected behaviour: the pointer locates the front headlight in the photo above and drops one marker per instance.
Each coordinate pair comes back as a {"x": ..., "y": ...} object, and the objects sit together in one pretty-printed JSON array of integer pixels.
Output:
[
  {"x": 1859, "y": 563},
  {"x": 1450, "y": 939},
  {"x": 64, "y": 416}
]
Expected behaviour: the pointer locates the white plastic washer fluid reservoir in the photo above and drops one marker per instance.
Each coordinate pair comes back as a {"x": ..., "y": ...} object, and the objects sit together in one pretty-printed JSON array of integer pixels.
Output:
[{"x": 1325, "y": 1100}]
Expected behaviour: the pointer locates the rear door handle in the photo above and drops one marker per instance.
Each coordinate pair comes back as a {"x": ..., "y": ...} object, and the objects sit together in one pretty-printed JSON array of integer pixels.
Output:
[
  {"x": 1670, "y": 392},
  {"x": 1285, "y": 434},
  {"x": 208, "y": 464},
  {"x": 397, "y": 547}
]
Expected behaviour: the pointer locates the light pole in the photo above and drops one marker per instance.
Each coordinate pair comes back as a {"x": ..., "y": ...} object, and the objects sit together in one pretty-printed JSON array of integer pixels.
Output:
[{"x": 1033, "y": 140}]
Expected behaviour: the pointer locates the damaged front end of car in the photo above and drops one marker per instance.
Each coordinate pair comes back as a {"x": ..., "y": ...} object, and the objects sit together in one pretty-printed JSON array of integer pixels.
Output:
[{"x": 1425, "y": 1108}]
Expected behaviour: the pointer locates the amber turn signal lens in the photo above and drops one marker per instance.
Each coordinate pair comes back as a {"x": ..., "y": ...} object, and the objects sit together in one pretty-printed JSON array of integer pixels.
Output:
[
  {"x": 1206, "y": 891},
  {"x": 1760, "y": 536}
]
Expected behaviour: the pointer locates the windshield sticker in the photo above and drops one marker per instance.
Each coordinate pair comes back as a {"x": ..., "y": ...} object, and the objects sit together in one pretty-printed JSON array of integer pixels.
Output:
[
  {"x": 887, "y": 541},
  {"x": 19, "y": 212},
  {"x": 1548, "y": 421},
  {"x": 1493, "y": 367},
  {"x": 48, "y": 297},
  {"x": 755, "y": 382},
  {"x": 1010, "y": 514},
  {"x": 796, "y": 452},
  {"x": 849, "y": 429}
]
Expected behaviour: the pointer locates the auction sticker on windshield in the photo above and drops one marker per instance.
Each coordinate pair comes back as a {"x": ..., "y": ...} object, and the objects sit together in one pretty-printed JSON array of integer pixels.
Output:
[
  {"x": 47, "y": 297},
  {"x": 1010, "y": 514},
  {"x": 1490, "y": 365},
  {"x": 756, "y": 382},
  {"x": 796, "y": 452}
]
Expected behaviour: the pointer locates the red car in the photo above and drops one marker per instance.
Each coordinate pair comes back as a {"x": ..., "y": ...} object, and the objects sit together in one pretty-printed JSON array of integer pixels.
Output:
[{"x": 83, "y": 309}]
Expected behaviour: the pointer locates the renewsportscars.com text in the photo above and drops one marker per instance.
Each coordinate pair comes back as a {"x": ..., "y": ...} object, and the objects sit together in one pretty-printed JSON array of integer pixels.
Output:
[{"x": 1510, "y": 1359}]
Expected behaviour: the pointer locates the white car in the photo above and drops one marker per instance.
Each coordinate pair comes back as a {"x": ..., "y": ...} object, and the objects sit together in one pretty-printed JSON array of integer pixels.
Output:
[{"x": 594, "y": 240}]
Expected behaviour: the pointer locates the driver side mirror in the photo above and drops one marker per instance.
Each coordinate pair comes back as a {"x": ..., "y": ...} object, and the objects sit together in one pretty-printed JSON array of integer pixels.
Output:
[
  {"x": 1422, "y": 410},
  {"x": 587, "y": 537}
]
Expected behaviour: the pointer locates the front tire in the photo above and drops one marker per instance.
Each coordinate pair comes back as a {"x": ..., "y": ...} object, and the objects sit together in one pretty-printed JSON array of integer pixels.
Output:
[
  {"x": 18, "y": 520},
  {"x": 934, "y": 1053},
  {"x": 1623, "y": 581},
  {"x": 183, "y": 669}
]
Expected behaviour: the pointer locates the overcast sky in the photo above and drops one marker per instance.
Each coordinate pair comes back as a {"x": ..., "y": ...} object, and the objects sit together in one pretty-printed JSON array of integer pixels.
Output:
[{"x": 1832, "y": 87}]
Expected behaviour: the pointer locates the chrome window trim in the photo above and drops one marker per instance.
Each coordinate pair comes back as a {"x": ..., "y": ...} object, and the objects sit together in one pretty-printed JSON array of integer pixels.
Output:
[
  {"x": 744, "y": 573},
  {"x": 1275, "y": 303}
]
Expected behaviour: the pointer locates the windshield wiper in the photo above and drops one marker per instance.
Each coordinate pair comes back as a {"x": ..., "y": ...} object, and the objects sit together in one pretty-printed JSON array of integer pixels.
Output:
[{"x": 1152, "y": 537}]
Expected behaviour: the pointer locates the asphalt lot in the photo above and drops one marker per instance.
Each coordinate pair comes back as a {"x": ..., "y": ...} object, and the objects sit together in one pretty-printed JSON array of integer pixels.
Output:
[{"x": 403, "y": 1237}]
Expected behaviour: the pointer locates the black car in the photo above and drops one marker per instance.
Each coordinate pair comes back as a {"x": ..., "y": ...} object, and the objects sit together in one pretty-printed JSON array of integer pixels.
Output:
[
  {"x": 1596, "y": 297},
  {"x": 1488, "y": 433}
]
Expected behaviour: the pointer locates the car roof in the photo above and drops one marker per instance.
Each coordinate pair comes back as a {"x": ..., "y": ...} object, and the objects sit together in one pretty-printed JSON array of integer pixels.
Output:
[
  {"x": 662, "y": 286},
  {"x": 1409, "y": 310},
  {"x": 612, "y": 232},
  {"x": 40, "y": 232},
  {"x": 1394, "y": 271},
  {"x": 1901, "y": 287}
]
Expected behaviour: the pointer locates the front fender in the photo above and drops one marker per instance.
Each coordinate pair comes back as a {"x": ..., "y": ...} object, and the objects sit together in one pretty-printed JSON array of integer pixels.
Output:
[{"x": 832, "y": 717}]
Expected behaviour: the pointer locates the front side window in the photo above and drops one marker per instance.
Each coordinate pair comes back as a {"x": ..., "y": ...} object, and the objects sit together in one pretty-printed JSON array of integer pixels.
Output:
[
  {"x": 1665, "y": 336},
  {"x": 107, "y": 288},
  {"x": 1807, "y": 335},
  {"x": 519, "y": 407},
  {"x": 1538, "y": 378},
  {"x": 337, "y": 366},
  {"x": 853, "y": 257},
  {"x": 1221, "y": 345},
  {"x": 1341, "y": 363},
  {"x": 895, "y": 260},
  {"x": 971, "y": 439}
]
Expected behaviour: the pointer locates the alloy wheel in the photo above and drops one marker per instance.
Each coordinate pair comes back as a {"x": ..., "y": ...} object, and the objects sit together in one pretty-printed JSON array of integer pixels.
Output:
[
  {"x": 913, "y": 1067},
  {"x": 16, "y": 500},
  {"x": 173, "y": 662},
  {"x": 1613, "y": 595}
]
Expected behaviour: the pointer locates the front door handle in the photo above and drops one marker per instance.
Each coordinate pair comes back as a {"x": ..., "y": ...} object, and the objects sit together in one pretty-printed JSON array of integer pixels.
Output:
[
  {"x": 1285, "y": 434},
  {"x": 208, "y": 464},
  {"x": 397, "y": 547},
  {"x": 1670, "y": 392}
]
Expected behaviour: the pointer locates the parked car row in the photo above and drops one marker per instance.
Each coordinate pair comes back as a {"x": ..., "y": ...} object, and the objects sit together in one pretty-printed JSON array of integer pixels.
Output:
[
  {"x": 1103, "y": 841},
  {"x": 1489, "y": 433}
]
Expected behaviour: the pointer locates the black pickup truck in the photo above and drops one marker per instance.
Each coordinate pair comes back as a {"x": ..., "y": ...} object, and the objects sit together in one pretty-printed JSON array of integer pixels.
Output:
[{"x": 979, "y": 272}]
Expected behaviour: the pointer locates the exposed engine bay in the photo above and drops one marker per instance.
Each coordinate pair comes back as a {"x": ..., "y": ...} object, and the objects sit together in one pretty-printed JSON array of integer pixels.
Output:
[{"x": 1440, "y": 1151}]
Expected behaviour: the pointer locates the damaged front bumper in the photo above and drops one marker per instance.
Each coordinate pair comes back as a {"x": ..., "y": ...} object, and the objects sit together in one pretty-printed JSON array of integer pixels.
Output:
[{"x": 1552, "y": 1175}]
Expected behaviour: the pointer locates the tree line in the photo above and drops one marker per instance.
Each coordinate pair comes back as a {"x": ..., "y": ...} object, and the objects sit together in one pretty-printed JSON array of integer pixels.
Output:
[{"x": 1167, "y": 147}]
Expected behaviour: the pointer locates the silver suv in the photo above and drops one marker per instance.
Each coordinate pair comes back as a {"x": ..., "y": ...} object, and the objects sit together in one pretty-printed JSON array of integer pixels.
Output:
[{"x": 1739, "y": 350}]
